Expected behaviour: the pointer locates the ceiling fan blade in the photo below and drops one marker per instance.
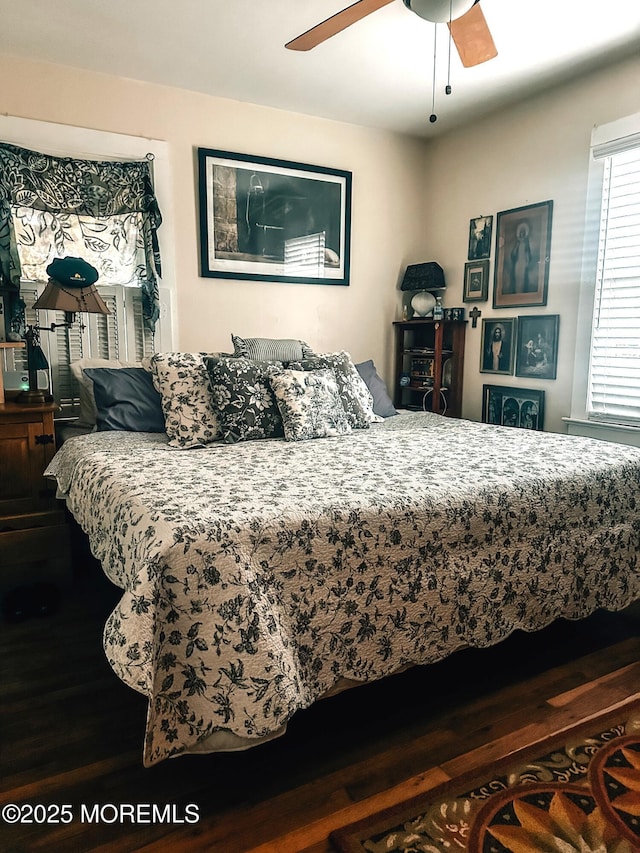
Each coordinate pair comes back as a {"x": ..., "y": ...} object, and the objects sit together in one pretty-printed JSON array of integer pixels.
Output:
[
  {"x": 472, "y": 37},
  {"x": 336, "y": 23}
]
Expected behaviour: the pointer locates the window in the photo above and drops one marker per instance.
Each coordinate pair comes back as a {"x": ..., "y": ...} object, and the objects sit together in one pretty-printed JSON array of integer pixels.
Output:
[
  {"x": 123, "y": 334},
  {"x": 614, "y": 367},
  {"x": 606, "y": 385}
]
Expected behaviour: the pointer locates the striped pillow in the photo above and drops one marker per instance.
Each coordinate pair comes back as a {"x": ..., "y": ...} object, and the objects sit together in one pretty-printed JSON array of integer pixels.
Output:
[{"x": 270, "y": 349}]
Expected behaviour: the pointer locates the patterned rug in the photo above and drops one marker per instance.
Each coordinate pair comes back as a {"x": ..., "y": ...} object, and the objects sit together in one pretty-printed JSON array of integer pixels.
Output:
[{"x": 578, "y": 792}]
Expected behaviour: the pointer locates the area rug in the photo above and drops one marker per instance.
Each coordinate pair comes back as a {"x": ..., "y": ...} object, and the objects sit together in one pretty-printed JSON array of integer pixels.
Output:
[{"x": 578, "y": 792}]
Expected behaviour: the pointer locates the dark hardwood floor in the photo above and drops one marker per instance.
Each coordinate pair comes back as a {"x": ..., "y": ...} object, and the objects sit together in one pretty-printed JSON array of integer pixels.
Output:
[{"x": 71, "y": 733}]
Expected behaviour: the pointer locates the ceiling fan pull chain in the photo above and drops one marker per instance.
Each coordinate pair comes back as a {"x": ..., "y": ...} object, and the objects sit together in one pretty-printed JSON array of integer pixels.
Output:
[
  {"x": 433, "y": 117},
  {"x": 447, "y": 88}
]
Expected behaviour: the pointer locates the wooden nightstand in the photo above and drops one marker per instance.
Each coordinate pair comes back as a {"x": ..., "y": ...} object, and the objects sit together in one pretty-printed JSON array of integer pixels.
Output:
[
  {"x": 429, "y": 365},
  {"x": 34, "y": 536}
]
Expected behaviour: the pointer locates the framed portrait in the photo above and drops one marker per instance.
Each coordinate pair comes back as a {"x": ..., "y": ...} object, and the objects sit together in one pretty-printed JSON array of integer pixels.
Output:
[
  {"x": 476, "y": 281},
  {"x": 497, "y": 345},
  {"x": 273, "y": 220},
  {"x": 523, "y": 247},
  {"x": 517, "y": 407},
  {"x": 537, "y": 346},
  {"x": 480, "y": 231}
]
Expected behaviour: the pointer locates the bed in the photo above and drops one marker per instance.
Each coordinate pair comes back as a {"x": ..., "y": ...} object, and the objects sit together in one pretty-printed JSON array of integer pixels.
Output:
[{"x": 261, "y": 575}]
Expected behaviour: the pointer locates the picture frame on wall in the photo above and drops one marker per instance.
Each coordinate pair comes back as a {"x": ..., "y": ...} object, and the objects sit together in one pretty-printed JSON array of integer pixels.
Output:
[
  {"x": 480, "y": 233},
  {"x": 476, "y": 281},
  {"x": 498, "y": 345},
  {"x": 516, "y": 407},
  {"x": 537, "y": 346},
  {"x": 523, "y": 250},
  {"x": 264, "y": 219}
]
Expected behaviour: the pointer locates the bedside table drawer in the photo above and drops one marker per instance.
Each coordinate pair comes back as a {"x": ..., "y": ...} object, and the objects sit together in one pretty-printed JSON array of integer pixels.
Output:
[
  {"x": 25, "y": 451},
  {"x": 34, "y": 535},
  {"x": 33, "y": 544}
]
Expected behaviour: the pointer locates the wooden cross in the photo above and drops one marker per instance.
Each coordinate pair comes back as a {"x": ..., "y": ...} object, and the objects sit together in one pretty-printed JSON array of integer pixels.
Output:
[{"x": 474, "y": 316}]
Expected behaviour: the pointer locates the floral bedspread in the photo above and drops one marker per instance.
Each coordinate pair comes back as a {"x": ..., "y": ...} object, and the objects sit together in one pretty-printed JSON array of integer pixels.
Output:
[{"x": 256, "y": 575}]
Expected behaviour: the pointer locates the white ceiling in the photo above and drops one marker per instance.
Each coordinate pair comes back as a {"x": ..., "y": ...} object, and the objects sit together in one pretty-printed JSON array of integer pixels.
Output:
[{"x": 378, "y": 72}]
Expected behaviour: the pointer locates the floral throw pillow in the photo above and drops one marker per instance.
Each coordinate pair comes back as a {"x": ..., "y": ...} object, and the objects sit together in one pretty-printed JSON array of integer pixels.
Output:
[
  {"x": 243, "y": 398},
  {"x": 354, "y": 394},
  {"x": 309, "y": 403},
  {"x": 183, "y": 382}
]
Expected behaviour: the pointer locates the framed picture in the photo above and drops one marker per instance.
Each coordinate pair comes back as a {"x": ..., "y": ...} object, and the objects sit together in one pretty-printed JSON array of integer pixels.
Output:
[
  {"x": 497, "y": 346},
  {"x": 523, "y": 246},
  {"x": 537, "y": 346},
  {"x": 480, "y": 230},
  {"x": 517, "y": 407},
  {"x": 476, "y": 281},
  {"x": 273, "y": 220}
]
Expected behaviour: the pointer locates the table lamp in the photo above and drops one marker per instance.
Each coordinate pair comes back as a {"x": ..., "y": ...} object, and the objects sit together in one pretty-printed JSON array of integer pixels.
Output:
[{"x": 71, "y": 288}]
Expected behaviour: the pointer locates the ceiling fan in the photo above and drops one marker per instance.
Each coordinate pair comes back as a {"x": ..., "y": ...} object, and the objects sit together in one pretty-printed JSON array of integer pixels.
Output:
[{"x": 467, "y": 24}]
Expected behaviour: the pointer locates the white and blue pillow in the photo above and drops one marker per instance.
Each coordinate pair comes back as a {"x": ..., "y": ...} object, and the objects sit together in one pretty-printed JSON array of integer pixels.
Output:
[{"x": 309, "y": 404}]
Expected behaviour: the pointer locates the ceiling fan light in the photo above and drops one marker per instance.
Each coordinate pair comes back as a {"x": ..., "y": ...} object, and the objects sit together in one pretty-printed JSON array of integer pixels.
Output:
[{"x": 439, "y": 11}]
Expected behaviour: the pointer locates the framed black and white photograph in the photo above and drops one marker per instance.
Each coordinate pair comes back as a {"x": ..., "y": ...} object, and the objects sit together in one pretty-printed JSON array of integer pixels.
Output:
[
  {"x": 523, "y": 250},
  {"x": 480, "y": 231},
  {"x": 497, "y": 345},
  {"x": 273, "y": 220},
  {"x": 516, "y": 407},
  {"x": 476, "y": 281},
  {"x": 537, "y": 346}
]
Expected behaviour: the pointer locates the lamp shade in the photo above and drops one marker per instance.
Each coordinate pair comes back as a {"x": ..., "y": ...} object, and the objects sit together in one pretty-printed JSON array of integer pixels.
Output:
[
  {"x": 58, "y": 297},
  {"x": 429, "y": 276},
  {"x": 71, "y": 288}
]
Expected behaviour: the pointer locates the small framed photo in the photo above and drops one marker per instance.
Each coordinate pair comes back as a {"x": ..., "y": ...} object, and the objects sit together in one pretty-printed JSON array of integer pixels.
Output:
[
  {"x": 476, "y": 281},
  {"x": 480, "y": 230},
  {"x": 497, "y": 346},
  {"x": 516, "y": 407},
  {"x": 537, "y": 346},
  {"x": 523, "y": 248}
]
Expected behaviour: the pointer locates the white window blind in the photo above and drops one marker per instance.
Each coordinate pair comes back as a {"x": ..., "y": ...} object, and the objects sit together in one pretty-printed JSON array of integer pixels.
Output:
[{"x": 614, "y": 369}]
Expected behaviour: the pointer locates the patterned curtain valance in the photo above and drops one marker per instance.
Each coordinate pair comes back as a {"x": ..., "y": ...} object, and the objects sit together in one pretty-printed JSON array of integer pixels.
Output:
[{"x": 63, "y": 187}]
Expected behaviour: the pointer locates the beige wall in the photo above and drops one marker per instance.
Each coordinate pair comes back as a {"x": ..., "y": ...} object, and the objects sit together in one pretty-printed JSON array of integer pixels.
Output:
[
  {"x": 536, "y": 151},
  {"x": 386, "y": 213},
  {"x": 412, "y": 201}
]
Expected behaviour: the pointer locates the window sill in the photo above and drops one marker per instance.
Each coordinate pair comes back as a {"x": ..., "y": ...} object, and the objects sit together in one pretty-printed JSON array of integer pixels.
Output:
[{"x": 621, "y": 433}]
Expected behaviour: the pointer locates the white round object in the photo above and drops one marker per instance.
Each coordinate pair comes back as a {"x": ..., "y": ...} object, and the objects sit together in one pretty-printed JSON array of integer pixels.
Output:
[
  {"x": 440, "y": 11},
  {"x": 423, "y": 303}
]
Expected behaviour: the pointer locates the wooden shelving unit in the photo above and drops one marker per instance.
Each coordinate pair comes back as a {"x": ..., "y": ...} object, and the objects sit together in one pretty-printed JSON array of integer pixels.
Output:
[{"x": 429, "y": 361}]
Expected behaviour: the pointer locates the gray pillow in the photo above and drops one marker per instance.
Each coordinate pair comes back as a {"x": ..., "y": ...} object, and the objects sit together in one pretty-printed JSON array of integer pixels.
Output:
[
  {"x": 87, "y": 414},
  {"x": 126, "y": 399},
  {"x": 382, "y": 404}
]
